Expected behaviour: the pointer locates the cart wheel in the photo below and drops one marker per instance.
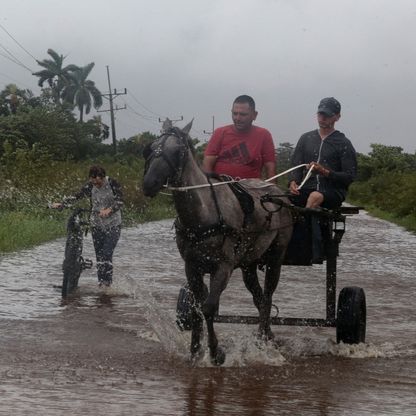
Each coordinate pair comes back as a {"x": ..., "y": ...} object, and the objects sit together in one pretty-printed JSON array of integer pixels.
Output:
[
  {"x": 184, "y": 307},
  {"x": 351, "y": 315}
]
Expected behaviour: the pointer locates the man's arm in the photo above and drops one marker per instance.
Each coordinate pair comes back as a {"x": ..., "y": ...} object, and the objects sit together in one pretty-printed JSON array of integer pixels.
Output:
[
  {"x": 208, "y": 163},
  {"x": 118, "y": 195},
  {"x": 270, "y": 169}
]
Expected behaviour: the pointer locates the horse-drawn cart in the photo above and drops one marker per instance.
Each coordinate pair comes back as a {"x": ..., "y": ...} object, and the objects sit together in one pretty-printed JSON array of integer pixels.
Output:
[
  {"x": 316, "y": 238},
  {"x": 222, "y": 225}
]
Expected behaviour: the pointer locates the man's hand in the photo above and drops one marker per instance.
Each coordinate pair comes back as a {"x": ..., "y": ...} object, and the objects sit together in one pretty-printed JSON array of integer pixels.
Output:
[
  {"x": 208, "y": 163},
  {"x": 319, "y": 168},
  {"x": 105, "y": 212},
  {"x": 56, "y": 205},
  {"x": 293, "y": 188}
]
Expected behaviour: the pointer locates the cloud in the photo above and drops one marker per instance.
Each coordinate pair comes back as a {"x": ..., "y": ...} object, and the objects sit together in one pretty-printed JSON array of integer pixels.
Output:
[{"x": 189, "y": 58}]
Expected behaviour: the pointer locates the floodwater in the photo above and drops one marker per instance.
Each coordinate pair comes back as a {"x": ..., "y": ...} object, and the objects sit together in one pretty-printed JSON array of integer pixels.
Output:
[{"x": 117, "y": 351}]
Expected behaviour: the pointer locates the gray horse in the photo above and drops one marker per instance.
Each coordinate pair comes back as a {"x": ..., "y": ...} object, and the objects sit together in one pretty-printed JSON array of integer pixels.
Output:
[{"x": 212, "y": 234}]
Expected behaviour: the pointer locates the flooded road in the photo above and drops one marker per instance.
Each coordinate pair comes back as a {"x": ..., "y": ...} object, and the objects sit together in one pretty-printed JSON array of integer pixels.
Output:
[{"x": 118, "y": 352}]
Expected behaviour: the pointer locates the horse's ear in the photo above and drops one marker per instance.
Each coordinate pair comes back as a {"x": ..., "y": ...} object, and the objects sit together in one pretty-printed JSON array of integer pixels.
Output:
[{"x": 188, "y": 127}]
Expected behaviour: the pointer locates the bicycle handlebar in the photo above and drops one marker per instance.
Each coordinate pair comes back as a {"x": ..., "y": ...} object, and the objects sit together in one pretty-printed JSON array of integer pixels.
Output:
[{"x": 61, "y": 207}]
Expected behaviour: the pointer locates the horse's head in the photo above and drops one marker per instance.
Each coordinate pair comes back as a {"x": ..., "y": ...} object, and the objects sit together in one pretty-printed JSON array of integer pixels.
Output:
[{"x": 165, "y": 158}]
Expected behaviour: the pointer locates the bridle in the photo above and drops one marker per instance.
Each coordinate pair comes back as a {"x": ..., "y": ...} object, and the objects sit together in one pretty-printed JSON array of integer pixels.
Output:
[{"x": 159, "y": 151}]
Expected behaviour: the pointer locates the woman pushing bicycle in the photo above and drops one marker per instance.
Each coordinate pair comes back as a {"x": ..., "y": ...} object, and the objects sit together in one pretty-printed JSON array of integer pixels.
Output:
[{"x": 106, "y": 200}]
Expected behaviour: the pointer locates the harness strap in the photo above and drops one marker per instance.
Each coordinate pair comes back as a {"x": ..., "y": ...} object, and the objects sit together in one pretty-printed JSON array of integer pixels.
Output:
[
  {"x": 217, "y": 207},
  {"x": 246, "y": 201},
  {"x": 199, "y": 233}
]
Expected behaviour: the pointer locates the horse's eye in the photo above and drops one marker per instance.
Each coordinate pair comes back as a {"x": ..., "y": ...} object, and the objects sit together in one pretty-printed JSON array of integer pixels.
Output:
[{"x": 147, "y": 151}]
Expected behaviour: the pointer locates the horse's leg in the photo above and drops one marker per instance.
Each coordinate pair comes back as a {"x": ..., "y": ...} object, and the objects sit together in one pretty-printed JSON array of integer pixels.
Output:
[
  {"x": 251, "y": 282},
  {"x": 196, "y": 286},
  {"x": 274, "y": 261},
  {"x": 218, "y": 283}
]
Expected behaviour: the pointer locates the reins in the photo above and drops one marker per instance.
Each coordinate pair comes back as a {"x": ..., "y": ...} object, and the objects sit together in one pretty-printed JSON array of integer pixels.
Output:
[
  {"x": 199, "y": 233},
  {"x": 158, "y": 152},
  {"x": 210, "y": 184}
]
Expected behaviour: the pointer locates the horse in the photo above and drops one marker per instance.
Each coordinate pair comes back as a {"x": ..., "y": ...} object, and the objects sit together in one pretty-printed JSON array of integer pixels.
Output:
[{"x": 213, "y": 236}]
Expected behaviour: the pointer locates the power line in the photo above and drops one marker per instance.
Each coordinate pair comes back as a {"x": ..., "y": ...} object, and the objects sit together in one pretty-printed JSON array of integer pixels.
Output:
[
  {"x": 141, "y": 104},
  {"x": 8, "y": 57},
  {"x": 131, "y": 108},
  {"x": 132, "y": 115},
  {"x": 1, "y": 26},
  {"x": 14, "y": 59}
]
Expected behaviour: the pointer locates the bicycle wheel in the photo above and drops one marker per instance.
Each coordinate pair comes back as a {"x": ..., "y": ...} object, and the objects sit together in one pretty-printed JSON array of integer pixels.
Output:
[{"x": 72, "y": 264}]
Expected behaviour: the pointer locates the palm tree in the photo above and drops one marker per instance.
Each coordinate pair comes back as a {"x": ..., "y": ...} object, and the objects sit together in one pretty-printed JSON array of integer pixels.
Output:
[
  {"x": 81, "y": 92},
  {"x": 55, "y": 74}
]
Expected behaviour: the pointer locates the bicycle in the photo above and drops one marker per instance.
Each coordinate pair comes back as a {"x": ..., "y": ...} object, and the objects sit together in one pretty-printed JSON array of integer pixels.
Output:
[{"x": 74, "y": 263}]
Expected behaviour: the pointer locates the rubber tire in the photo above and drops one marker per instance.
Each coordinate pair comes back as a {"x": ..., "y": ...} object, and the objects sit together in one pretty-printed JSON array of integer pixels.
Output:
[
  {"x": 351, "y": 315},
  {"x": 72, "y": 265}
]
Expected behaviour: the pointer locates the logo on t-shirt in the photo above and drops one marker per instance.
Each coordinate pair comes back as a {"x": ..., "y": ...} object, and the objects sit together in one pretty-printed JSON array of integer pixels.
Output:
[{"x": 236, "y": 154}]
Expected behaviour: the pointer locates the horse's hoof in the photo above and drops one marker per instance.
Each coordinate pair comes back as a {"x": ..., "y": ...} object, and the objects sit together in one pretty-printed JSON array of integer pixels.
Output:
[
  {"x": 196, "y": 349},
  {"x": 219, "y": 357},
  {"x": 266, "y": 335},
  {"x": 196, "y": 357}
]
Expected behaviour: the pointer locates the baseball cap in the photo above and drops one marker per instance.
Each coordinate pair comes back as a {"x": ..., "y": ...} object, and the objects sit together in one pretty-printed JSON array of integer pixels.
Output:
[{"x": 329, "y": 106}]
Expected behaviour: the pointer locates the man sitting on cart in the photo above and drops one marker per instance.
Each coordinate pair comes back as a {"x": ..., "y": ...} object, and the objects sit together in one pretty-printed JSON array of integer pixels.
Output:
[
  {"x": 241, "y": 150},
  {"x": 332, "y": 158}
]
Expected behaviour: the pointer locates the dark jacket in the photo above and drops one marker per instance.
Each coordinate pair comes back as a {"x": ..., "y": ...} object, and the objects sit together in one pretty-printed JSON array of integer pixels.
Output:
[{"x": 335, "y": 153}]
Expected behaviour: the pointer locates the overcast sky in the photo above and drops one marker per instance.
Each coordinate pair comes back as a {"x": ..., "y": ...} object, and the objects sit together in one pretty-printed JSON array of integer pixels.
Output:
[{"x": 191, "y": 58}]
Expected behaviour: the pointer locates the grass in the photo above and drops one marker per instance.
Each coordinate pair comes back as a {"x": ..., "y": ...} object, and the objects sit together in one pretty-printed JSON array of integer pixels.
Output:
[
  {"x": 20, "y": 230},
  {"x": 23, "y": 229}
]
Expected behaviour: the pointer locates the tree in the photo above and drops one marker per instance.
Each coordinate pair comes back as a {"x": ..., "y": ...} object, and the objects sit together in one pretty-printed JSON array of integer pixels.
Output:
[
  {"x": 12, "y": 97},
  {"x": 55, "y": 132},
  {"x": 135, "y": 144},
  {"x": 284, "y": 155},
  {"x": 55, "y": 74},
  {"x": 384, "y": 159},
  {"x": 82, "y": 92}
]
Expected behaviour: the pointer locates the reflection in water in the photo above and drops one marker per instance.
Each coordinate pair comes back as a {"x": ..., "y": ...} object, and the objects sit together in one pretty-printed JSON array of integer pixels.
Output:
[
  {"x": 103, "y": 299},
  {"x": 201, "y": 394},
  {"x": 118, "y": 350},
  {"x": 260, "y": 391}
]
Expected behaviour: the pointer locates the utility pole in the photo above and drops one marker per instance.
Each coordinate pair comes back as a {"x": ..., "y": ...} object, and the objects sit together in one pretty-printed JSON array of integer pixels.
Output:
[
  {"x": 110, "y": 96},
  {"x": 167, "y": 123},
  {"x": 213, "y": 128}
]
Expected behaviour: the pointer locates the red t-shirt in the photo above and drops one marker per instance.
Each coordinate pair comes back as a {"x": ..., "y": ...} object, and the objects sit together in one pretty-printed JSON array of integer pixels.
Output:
[{"x": 241, "y": 154}]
